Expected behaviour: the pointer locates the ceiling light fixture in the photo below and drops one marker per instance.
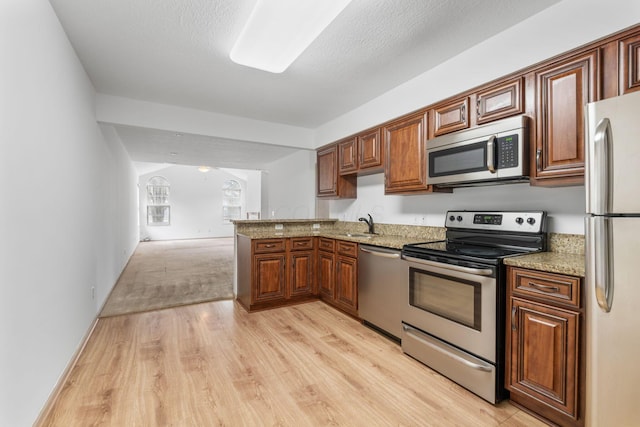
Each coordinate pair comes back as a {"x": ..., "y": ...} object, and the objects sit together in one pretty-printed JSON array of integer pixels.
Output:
[
  {"x": 278, "y": 31},
  {"x": 204, "y": 168}
]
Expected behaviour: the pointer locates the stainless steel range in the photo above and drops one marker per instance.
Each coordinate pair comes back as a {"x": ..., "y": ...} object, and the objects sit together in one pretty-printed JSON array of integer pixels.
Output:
[{"x": 455, "y": 319}]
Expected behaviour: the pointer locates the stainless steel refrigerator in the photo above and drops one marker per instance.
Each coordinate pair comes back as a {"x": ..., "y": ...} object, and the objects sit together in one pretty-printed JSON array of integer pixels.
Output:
[{"x": 612, "y": 235}]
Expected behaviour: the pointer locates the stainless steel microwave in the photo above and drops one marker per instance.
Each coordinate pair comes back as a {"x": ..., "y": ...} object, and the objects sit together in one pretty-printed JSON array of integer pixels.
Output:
[{"x": 495, "y": 153}]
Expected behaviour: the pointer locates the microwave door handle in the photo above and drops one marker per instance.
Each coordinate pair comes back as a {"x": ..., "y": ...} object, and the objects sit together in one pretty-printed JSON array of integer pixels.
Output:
[{"x": 491, "y": 154}]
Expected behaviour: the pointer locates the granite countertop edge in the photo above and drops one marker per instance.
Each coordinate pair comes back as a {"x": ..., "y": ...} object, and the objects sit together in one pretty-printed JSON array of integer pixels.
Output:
[
  {"x": 552, "y": 262},
  {"x": 381, "y": 240},
  {"x": 572, "y": 264}
]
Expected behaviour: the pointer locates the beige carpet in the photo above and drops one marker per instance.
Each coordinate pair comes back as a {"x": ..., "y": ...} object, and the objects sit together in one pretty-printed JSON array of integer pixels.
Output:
[{"x": 166, "y": 274}]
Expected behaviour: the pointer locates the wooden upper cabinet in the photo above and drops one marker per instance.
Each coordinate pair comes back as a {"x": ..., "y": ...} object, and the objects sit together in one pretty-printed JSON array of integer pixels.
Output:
[
  {"x": 329, "y": 183},
  {"x": 497, "y": 102},
  {"x": 629, "y": 54},
  {"x": 405, "y": 167},
  {"x": 348, "y": 156},
  {"x": 563, "y": 89},
  {"x": 370, "y": 152},
  {"x": 450, "y": 116}
]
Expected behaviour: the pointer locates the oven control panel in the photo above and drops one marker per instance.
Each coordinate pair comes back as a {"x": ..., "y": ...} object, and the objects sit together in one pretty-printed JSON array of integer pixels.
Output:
[{"x": 516, "y": 221}]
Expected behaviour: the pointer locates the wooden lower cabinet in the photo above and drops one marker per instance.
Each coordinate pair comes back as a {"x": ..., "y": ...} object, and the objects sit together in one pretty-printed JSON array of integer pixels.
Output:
[
  {"x": 275, "y": 272},
  {"x": 326, "y": 273},
  {"x": 346, "y": 293},
  {"x": 544, "y": 352},
  {"x": 269, "y": 276},
  {"x": 338, "y": 274},
  {"x": 301, "y": 273}
]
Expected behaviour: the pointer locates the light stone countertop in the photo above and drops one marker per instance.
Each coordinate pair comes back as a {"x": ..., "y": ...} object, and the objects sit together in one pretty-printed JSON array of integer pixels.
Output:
[
  {"x": 552, "y": 262},
  {"x": 565, "y": 256},
  {"x": 387, "y": 241}
]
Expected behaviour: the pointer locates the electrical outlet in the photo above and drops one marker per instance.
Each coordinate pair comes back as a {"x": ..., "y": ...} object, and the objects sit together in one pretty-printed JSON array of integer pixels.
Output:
[
  {"x": 316, "y": 226},
  {"x": 279, "y": 226}
]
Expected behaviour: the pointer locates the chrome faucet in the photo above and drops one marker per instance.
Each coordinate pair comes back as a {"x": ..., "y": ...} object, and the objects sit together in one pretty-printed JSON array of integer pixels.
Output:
[{"x": 369, "y": 223}]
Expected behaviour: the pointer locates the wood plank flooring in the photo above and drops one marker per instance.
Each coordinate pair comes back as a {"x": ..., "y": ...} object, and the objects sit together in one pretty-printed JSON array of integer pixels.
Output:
[{"x": 213, "y": 364}]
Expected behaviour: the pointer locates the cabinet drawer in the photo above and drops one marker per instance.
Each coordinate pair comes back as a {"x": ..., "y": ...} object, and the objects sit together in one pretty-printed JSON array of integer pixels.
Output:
[
  {"x": 269, "y": 245},
  {"x": 301, "y": 243},
  {"x": 349, "y": 249},
  {"x": 550, "y": 287},
  {"x": 328, "y": 245}
]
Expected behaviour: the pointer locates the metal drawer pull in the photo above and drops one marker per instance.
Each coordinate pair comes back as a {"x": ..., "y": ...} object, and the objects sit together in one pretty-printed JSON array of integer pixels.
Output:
[
  {"x": 269, "y": 246},
  {"x": 381, "y": 254},
  {"x": 426, "y": 341},
  {"x": 544, "y": 288}
]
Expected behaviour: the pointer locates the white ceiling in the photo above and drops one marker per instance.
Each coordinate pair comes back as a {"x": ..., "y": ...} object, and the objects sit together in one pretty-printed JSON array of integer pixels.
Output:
[{"x": 177, "y": 52}]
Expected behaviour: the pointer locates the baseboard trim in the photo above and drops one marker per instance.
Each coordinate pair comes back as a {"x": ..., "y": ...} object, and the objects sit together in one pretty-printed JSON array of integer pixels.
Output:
[{"x": 53, "y": 397}]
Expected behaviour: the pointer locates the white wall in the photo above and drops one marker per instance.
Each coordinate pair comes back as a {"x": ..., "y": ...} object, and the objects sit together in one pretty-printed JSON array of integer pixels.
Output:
[
  {"x": 560, "y": 28},
  {"x": 67, "y": 221},
  {"x": 253, "y": 199},
  {"x": 291, "y": 184},
  {"x": 565, "y": 206},
  {"x": 196, "y": 204}
]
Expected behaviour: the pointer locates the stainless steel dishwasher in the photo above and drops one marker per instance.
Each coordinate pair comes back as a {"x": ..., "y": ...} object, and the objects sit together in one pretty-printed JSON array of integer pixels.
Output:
[{"x": 383, "y": 279}]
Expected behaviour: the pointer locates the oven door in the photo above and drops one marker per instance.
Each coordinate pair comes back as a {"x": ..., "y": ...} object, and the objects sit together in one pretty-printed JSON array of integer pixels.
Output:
[{"x": 455, "y": 304}]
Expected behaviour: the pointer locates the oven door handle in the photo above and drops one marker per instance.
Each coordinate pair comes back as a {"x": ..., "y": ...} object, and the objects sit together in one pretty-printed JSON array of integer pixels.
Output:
[{"x": 477, "y": 271}]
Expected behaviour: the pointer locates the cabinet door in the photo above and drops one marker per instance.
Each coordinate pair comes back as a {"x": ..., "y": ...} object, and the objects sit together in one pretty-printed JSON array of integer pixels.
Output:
[
  {"x": 563, "y": 90},
  {"x": 328, "y": 182},
  {"x": 500, "y": 101},
  {"x": 269, "y": 277},
  {"x": 451, "y": 116},
  {"x": 405, "y": 157},
  {"x": 326, "y": 274},
  {"x": 327, "y": 163},
  {"x": 543, "y": 355},
  {"x": 370, "y": 152},
  {"x": 347, "y": 283},
  {"x": 629, "y": 53},
  {"x": 348, "y": 156},
  {"x": 301, "y": 274}
]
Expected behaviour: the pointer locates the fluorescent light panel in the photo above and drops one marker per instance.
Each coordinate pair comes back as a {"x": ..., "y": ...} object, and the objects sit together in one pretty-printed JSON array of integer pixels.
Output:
[{"x": 278, "y": 31}]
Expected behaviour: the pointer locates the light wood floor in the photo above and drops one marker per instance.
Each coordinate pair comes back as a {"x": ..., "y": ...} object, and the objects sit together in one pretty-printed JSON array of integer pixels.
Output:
[{"x": 213, "y": 364}]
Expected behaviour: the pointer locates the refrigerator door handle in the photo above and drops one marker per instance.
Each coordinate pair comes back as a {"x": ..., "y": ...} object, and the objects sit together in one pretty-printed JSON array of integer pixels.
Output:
[
  {"x": 600, "y": 168},
  {"x": 599, "y": 273}
]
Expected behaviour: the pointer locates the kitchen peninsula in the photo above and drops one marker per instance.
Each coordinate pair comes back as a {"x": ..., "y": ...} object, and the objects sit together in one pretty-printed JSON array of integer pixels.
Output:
[{"x": 283, "y": 261}]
